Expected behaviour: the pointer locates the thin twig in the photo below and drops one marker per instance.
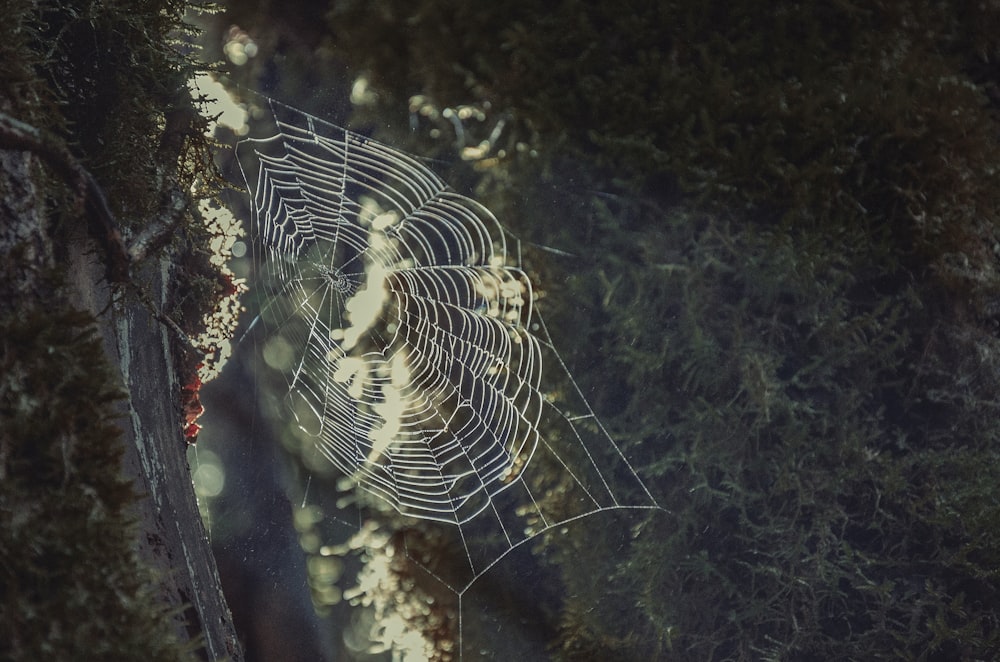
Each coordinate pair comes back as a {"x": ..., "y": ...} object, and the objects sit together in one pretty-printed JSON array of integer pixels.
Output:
[
  {"x": 166, "y": 321},
  {"x": 157, "y": 233},
  {"x": 18, "y": 135}
]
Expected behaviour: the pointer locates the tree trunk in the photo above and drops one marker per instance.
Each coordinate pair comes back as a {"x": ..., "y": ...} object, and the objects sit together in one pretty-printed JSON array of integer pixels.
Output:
[
  {"x": 44, "y": 274},
  {"x": 172, "y": 537}
]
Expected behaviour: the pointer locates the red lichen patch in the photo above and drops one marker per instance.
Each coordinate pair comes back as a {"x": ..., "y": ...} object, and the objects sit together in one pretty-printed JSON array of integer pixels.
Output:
[{"x": 191, "y": 405}]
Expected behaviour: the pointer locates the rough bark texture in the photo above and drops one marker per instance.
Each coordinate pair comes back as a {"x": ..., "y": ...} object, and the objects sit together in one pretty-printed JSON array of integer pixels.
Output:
[
  {"x": 103, "y": 555},
  {"x": 170, "y": 536}
]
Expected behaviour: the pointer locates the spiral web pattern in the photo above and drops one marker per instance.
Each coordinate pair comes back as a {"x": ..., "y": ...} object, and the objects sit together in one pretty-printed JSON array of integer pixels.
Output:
[
  {"x": 414, "y": 368},
  {"x": 413, "y": 356}
]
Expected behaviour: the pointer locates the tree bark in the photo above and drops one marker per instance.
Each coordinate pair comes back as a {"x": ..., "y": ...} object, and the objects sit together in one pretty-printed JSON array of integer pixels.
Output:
[{"x": 171, "y": 537}]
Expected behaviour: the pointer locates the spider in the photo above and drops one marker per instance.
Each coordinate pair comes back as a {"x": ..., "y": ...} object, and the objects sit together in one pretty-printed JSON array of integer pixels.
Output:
[{"x": 340, "y": 281}]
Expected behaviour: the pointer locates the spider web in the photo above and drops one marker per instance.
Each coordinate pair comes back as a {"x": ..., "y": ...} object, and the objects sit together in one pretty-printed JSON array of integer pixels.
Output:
[{"x": 413, "y": 353}]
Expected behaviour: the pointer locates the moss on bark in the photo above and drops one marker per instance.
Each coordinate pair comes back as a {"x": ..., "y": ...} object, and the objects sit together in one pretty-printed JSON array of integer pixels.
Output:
[{"x": 107, "y": 82}]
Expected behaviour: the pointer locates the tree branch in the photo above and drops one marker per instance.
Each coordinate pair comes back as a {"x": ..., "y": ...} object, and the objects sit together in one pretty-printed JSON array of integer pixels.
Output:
[{"x": 18, "y": 135}]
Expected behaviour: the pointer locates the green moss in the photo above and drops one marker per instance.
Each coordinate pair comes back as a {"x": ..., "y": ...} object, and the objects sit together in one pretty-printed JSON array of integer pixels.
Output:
[
  {"x": 824, "y": 440},
  {"x": 823, "y": 115},
  {"x": 73, "y": 587}
]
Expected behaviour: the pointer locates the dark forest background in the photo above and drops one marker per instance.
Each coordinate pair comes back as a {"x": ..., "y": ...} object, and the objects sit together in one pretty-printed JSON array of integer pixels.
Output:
[
  {"x": 782, "y": 296},
  {"x": 782, "y": 299}
]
